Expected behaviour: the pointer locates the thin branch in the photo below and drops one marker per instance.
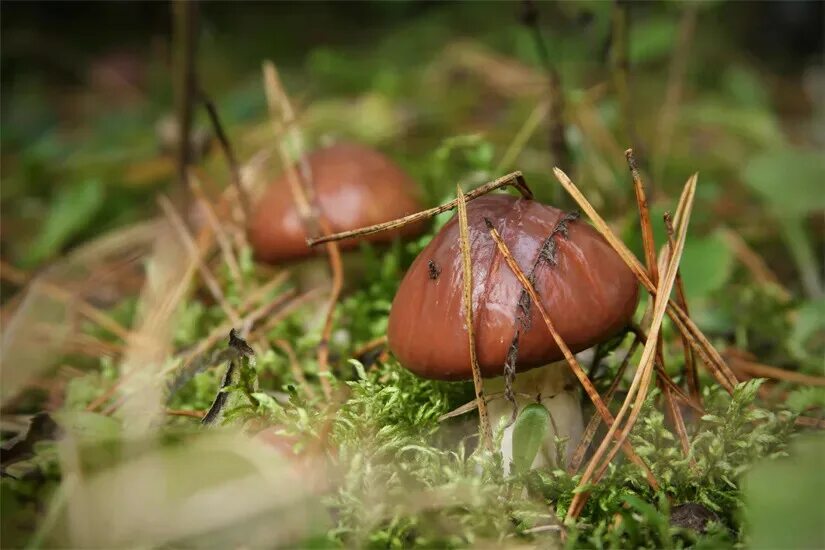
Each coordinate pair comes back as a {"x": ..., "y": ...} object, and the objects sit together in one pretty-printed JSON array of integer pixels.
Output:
[
  {"x": 515, "y": 179},
  {"x": 568, "y": 355},
  {"x": 189, "y": 243},
  {"x": 222, "y": 238},
  {"x": 229, "y": 153},
  {"x": 690, "y": 370},
  {"x": 303, "y": 193},
  {"x": 596, "y": 419},
  {"x": 641, "y": 381},
  {"x": 676, "y": 417},
  {"x": 757, "y": 266},
  {"x": 710, "y": 356},
  {"x": 97, "y": 316},
  {"x": 644, "y": 217},
  {"x": 467, "y": 270},
  {"x": 759, "y": 370}
]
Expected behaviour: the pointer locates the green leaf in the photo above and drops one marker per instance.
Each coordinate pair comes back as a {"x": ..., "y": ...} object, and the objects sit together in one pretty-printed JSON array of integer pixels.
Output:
[
  {"x": 530, "y": 429},
  {"x": 706, "y": 265},
  {"x": 71, "y": 211},
  {"x": 784, "y": 499},
  {"x": 789, "y": 180},
  {"x": 809, "y": 325}
]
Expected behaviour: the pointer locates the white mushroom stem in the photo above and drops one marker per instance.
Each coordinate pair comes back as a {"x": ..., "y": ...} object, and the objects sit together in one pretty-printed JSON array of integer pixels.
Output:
[{"x": 557, "y": 388}]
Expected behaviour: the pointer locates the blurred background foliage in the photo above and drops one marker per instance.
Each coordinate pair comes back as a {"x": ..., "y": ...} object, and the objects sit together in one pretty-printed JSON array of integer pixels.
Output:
[
  {"x": 86, "y": 110},
  {"x": 454, "y": 93}
]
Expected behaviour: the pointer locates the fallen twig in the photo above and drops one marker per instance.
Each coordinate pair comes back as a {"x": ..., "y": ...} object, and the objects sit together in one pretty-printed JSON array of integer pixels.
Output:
[
  {"x": 467, "y": 271},
  {"x": 515, "y": 179},
  {"x": 301, "y": 186},
  {"x": 568, "y": 355}
]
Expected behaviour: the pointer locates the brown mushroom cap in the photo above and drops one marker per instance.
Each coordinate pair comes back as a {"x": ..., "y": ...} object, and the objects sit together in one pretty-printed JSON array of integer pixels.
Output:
[
  {"x": 355, "y": 185},
  {"x": 590, "y": 294}
]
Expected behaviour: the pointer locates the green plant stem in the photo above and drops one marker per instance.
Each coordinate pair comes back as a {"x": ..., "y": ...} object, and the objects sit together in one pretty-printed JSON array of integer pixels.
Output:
[{"x": 801, "y": 251}]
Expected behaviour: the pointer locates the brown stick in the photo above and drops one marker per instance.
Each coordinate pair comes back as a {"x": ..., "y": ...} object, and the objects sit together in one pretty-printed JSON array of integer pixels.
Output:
[
  {"x": 229, "y": 153},
  {"x": 568, "y": 355},
  {"x": 641, "y": 381},
  {"x": 596, "y": 419},
  {"x": 89, "y": 311},
  {"x": 677, "y": 418},
  {"x": 303, "y": 193},
  {"x": 516, "y": 179},
  {"x": 766, "y": 371},
  {"x": 221, "y": 237},
  {"x": 467, "y": 271},
  {"x": 757, "y": 266},
  {"x": 677, "y": 391},
  {"x": 189, "y": 242},
  {"x": 810, "y": 422},
  {"x": 644, "y": 217},
  {"x": 698, "y": 341},
  {"x": 690, "y": 370}
]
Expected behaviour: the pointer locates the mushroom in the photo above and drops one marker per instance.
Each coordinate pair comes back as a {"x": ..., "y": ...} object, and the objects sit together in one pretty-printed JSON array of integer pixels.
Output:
[
  {"x": 355, "y": 186},
  {"x": 583, "y": 284}
]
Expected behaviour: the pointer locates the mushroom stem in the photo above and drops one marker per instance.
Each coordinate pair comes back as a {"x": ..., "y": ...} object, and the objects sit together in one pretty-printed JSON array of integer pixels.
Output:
[{"x": 555, "y": 387}]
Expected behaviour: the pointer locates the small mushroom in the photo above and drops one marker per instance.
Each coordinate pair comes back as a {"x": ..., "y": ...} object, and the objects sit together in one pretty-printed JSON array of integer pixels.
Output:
[
  {"x": 355, "y": 186},
  {"x": 584, "y": 285}
]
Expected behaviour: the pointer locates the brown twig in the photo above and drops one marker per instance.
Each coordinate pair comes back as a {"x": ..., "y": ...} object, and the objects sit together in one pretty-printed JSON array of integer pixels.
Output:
[
  {"x": 224, "y": 244},
  {"x": 641, "y": 381},
  {"x": 766, "y": 371},
  {"x": 589, "y": 389},
  {"x": 810, "y": 422},
  {"x": 467, "y": 270},
  {"x": 757, "y": 266},
  {"x": 229, "y": 153},
  {"x": 189, "y": 242},
  {"x": 596, "y": 419},
  {"x": 515, "y": 179},
  {"x": 97, "y": 316},
  {"x": 301, "y": 186},
  {"x": 710, "y": 356},
  {"x": 676, "y": 417},
  {"x": 219, "y": 333},
  {"x": 690, "y": 370},
  {"x": 473, "y": 405},
  {"x": 644, "y": 217}
]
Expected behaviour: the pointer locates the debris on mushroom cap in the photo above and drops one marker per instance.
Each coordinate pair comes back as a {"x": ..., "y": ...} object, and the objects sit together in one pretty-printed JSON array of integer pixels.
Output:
[
  {"x": 585, "y": 287},
  {"x": 355, "y": 186}
]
